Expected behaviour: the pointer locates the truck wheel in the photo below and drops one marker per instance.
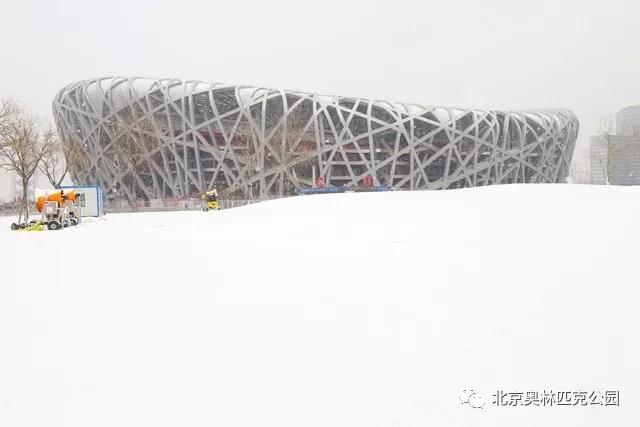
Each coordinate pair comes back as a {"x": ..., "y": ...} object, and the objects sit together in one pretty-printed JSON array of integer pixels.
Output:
[
  {"x": 205, "y": 209},
  {"x": 54, "y": 225},
  {"x": 14, "y": 226}
]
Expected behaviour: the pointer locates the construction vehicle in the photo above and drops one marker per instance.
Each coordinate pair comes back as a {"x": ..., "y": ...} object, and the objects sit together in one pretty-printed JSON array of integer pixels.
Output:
[
  {"x": 59, "y": 209},
  {"x": 210, "y": 201}
]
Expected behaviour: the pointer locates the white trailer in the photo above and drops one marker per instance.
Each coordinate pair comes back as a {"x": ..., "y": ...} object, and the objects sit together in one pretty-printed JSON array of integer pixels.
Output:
[{"x": 92, "y": 200}]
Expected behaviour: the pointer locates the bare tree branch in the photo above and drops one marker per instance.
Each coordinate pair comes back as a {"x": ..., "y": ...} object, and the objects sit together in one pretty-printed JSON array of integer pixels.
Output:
[
  {"x": 23, "y": 143},
  {"x": 54, "y": 164}
]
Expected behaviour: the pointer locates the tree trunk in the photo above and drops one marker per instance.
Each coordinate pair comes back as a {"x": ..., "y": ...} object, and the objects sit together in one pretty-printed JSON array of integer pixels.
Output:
[{"x": 25, "y": 202}]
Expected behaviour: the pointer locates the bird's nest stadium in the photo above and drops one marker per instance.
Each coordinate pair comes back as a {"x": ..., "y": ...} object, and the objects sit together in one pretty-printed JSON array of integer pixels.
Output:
[{"x": 160, "y": 138}]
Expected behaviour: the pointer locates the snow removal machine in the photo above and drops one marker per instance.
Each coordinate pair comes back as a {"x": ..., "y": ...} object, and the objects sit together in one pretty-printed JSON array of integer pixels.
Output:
[
  {"x": 58, "y": 208},
  {"x": 210, "y": 201}
]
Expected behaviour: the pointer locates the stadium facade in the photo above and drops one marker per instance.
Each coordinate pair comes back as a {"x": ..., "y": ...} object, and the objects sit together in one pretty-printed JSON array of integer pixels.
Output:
[{"x": 161, "y": 138}]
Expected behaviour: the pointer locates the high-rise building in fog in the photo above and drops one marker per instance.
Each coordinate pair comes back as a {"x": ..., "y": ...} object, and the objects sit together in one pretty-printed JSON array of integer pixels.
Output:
[
  {"x": 7, "y": 186},
  {"x": 11, "y": 186},
  {"x": 615, "y": 159},
  {"x": 628, "y": 121}
]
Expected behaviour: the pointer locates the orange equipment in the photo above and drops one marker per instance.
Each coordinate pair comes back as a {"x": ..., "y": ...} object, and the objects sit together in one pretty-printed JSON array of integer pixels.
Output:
[
  {"x": 57, "y": 196},
  {"x": 59, "y": 210}
]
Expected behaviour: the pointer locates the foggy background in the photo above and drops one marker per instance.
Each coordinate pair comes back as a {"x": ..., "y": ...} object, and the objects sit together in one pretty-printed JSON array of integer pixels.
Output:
[{"x": 490, "y": 54}]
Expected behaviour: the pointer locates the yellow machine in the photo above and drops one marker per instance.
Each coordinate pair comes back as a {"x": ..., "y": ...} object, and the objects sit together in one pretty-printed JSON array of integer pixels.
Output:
[
  {"x": 210, "y": 201},
  {"x": 59, "y": 210}
]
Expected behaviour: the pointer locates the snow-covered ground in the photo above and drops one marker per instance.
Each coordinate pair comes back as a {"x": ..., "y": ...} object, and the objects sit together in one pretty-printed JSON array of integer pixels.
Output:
[{"x": 349, "y": 310}]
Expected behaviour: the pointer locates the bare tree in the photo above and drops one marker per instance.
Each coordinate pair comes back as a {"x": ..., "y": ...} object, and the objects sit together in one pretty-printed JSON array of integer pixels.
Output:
[
  {"x": 8, "y": 111},
  {"x": 23, "y": 143},
  {"x": 606, "y": 136},
  {"x": 55, "y": 161}
]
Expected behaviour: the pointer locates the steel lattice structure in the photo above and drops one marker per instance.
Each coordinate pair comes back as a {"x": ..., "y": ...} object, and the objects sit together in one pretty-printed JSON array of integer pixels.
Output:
[{"x": 157, "y": 138}]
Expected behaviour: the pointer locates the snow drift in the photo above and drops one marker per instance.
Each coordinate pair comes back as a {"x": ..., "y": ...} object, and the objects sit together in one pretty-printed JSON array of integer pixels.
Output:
[{"x": 332, "y": 310}]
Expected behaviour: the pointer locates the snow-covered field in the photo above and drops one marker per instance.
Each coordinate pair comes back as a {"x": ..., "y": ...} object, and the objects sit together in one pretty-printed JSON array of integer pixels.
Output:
[{"x": 349, "y": 310}]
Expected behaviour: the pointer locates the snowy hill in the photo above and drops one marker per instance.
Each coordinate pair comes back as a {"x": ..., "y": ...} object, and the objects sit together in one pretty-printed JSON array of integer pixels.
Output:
[{"x": 349, "y": 310}]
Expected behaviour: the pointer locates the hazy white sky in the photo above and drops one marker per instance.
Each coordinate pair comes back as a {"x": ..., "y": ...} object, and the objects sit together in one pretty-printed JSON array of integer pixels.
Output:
[{"x": 503, "y": 54}]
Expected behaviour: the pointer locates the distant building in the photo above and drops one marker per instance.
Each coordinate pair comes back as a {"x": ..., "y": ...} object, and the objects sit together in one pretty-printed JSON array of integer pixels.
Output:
[
  {"x": 628, "y": 121},
  {"x": 11, "y": 186},
  {"x": 615, "y": 159},
  {"x": 7, "y": 186}
]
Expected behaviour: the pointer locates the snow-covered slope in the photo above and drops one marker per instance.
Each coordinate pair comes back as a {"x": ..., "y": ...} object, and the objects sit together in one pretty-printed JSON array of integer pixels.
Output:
[{"x": 371, "y": 310}]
